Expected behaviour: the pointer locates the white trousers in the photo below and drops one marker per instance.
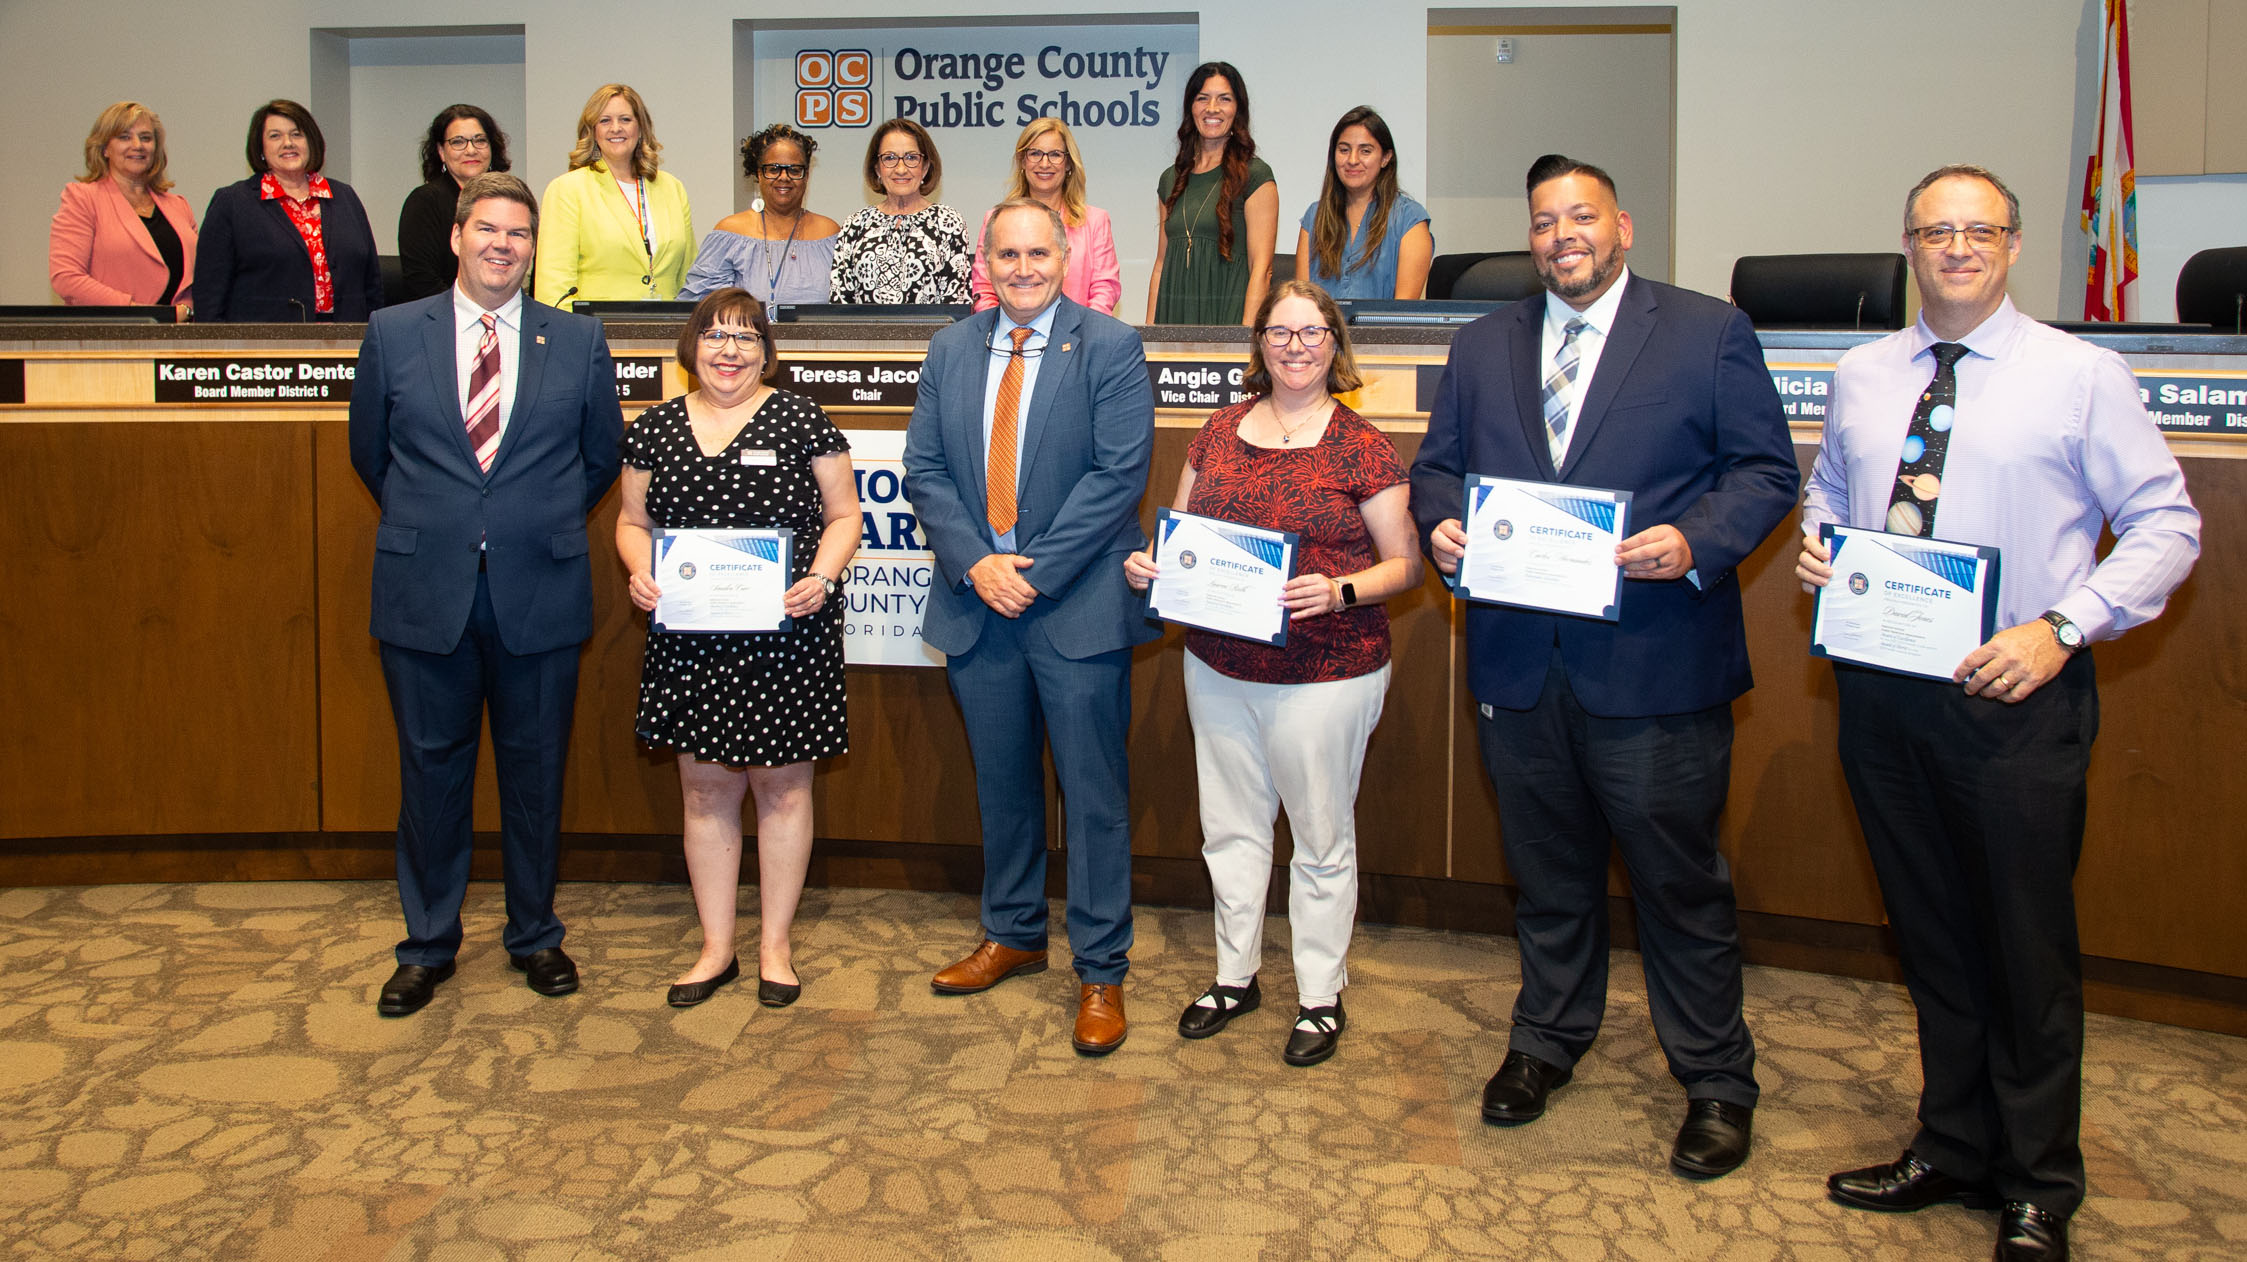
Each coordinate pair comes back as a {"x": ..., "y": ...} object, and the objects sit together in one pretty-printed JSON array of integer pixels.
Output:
[{"x": 1258, "y": 747}]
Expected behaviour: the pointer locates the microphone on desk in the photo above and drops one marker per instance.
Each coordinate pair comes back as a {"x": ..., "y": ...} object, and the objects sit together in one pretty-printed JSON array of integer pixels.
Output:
[
  {"x": 1860, "y": 310},
  {"x": 558, "y": 302},
  {"x": 301, "y": 316}
]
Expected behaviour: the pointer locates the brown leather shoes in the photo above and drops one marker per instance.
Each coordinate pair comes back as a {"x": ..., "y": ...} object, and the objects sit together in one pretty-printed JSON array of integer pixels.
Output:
[
  {"x": 1100, "y": 1019},
  {"x": 989, "y": 965}
]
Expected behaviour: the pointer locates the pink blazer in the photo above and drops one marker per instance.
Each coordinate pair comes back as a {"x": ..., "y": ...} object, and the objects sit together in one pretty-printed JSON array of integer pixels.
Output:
[
  {"x": 99, "y": 254},
  {"x": 1094, "y": 277}
]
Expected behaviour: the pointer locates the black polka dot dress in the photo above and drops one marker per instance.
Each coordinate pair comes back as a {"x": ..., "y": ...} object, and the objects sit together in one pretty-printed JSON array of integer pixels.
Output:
[{"x": 764, "y": 700}]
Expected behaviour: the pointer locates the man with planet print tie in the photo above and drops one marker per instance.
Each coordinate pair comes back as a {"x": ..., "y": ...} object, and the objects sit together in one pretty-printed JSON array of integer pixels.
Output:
[{"x": 1979, "y": 425}]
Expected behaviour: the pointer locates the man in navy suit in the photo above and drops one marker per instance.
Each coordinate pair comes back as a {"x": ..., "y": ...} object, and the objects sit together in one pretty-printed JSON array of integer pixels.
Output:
[
  {"x": 486, "y": 426},
  {"x": 1589, "y": 728},
  {"x": 1026, "y": 459}
]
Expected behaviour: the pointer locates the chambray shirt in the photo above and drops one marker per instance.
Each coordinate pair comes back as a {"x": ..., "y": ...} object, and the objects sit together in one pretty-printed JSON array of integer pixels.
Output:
[
  {"x": 2051, "y": 441},
  {"x": 1002, "y": 349}
]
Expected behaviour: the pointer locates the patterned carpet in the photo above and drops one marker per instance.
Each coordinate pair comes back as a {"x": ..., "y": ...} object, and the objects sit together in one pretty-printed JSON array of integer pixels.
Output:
[{"x": 197, "y": 1071}]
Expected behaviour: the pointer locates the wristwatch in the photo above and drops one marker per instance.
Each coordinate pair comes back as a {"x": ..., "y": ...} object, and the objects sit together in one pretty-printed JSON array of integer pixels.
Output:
[
  {"x": 2067, "y": 633},
  {"x": 1349, "y": 594},
  {"x": 830, "y": 584}
]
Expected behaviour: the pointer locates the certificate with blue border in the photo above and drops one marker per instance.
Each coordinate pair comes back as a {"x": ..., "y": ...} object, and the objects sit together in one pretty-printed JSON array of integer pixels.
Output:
[
  {"x": 1221, "y": 576},
  {"x": 1544, "y": 545},
  {"x": 1902, "y": 603},
  {"x": 722, "y": 580}
]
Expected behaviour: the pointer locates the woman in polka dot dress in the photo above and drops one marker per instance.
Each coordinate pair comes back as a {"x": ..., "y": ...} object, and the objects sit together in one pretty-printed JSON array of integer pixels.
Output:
[{"x": 748, "y": 712}]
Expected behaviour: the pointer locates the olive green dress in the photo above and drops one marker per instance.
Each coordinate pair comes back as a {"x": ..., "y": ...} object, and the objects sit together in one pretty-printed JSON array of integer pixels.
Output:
[{"x": 1211, "y": 289}]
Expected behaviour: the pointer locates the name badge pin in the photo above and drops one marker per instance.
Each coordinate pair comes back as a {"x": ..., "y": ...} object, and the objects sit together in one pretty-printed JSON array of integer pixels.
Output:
[{"x": 542, "y": 339}]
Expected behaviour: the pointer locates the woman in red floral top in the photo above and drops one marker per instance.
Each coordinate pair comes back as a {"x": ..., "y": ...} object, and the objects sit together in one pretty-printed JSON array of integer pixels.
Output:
[
  {"x": 287, "y": 245},
  {"x": 1287, "y": 726}
]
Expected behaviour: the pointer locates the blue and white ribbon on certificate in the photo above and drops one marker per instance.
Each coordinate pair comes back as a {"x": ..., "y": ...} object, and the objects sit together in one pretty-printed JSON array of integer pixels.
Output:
[
  {"x": 723, "y": 580},
  {"x": 1902, "y": 603},
  {"x": 1221, "y": 576},
  {"x": 1544, "y": 545}
]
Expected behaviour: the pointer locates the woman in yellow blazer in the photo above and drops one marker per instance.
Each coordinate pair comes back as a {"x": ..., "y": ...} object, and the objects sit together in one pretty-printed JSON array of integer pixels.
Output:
[
  {"x": 120, "y": 238},
  {"x": 613, "y": 228}
]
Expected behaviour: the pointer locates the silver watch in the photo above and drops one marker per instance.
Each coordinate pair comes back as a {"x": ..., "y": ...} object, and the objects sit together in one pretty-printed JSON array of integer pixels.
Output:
[{"x": 2067, "y": 633}]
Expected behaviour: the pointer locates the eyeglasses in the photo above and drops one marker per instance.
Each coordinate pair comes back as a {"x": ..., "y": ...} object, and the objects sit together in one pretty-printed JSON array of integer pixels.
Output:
[
  {"x": 1044, "y": 155},
  {"x": 1313, "y": 336},
  {"x": 784, "y": 171},
  {"x": 719, "y": 339},
  {"x": 462, "y": 144},
  {"x": 1937, "y": 236},
  {"x": 904, "y": 161}
]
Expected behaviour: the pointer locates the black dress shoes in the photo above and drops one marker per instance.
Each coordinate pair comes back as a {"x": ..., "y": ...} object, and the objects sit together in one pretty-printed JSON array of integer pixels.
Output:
[
  {"x": 774, "y": 994},
  {"x": 1317, "y": 1032},
  {"x": 2028, "y": 1234},
  {"x": 1516, "y": 1093},
  {"x": 688, "y": 994},
  {"x": 1907, "y": 1185},
  {"x": 410, "y": 988},
  {"x": 1200, "y": 1020},
  {"x": 1714, "y": 1139},
  {"x": 551, "y": 972}
]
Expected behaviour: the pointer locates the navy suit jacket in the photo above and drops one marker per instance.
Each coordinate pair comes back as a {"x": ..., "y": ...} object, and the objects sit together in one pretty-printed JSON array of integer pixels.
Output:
[
  {"x": 1681, "y": 413},
  {"x": 1088, "y": 436},
  {"x": 557, "y": 457},
  {"x": 250, "y": 262}
]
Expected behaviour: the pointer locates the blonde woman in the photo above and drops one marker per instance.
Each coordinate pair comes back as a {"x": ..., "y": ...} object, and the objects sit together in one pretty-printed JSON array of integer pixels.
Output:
[
  {"x": 614, "y": 227},
  {"x": 120, "y": 238},
  {"x": 1048, "y": 169}
]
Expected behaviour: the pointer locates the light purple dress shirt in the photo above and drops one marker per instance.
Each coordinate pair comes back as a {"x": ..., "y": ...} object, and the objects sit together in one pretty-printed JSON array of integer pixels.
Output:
[{"x": 2052, "y": 440}]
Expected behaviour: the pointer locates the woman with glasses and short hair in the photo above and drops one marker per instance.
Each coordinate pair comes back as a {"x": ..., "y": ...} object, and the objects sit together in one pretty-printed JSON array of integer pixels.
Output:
[
  {"x": 121, "y": 238},
  {"x": 776, "y": 249},
  {"x": 1363, "y": 238},
  {"x": 905, "y": 250},
  {"x": 1286, "y": 726},
  {"x": 747, "y": 711},
  {"x": 462, "y": 143},
  {"x": 615, "y": 227},
  {"x": 1048, "y": 169}
]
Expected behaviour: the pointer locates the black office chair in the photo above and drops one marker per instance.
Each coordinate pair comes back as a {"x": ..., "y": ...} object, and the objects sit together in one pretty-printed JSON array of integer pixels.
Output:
[
  {"x": 1507, "y": 276},
  {"x": 1283, "y": 269},
  {"x": 2212, "y": 289},
  {"x": 393, "y": 279},
  {"x": 1821, "y": 291},
  {"x": 1444, "y": 270}
]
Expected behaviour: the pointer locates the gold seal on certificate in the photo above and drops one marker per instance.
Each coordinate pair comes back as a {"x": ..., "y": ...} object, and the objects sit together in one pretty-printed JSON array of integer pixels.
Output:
[
  {"x": 723, "y": 580},
  {"x": 1221, "y": 576},
  {"x": 1544, "y": 545},
  {"x": 1902, "y": 603}
]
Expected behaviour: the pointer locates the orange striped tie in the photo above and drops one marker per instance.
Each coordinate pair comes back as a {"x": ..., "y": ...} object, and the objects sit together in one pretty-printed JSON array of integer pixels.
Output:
[{"x": 1003, "y": 439}]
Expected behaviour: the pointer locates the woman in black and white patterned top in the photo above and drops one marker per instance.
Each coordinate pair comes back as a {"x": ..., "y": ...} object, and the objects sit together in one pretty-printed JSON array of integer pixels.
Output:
[
  {"x": 907, "y": 250},
  {"x": 748, "y": 711}
]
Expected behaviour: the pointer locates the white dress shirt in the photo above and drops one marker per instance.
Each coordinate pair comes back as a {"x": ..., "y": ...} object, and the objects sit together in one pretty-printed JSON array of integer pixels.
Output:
[
  {"x": 468, "y": 334},
  {"x": 1599, "y": 318}
]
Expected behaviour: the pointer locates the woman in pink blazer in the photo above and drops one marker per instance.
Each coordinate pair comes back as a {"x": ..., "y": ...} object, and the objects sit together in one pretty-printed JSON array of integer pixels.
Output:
[
  {"x": 119, "y": 238},
  {"x": 1048, "y": 167}
]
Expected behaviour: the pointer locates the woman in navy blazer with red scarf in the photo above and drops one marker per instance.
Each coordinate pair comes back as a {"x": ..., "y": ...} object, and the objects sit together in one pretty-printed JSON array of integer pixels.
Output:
[{"x": 287, "y": 245}]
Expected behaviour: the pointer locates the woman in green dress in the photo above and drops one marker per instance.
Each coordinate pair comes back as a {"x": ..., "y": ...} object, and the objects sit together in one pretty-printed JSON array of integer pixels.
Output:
[{"x": 1218, "y": 208}]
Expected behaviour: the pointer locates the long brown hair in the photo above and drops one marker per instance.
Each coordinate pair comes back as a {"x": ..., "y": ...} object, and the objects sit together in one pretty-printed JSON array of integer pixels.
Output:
[
  {"x": 1330, "y": 229},
  {"x": 1240, "y": 147},
  {"x": 1341, "y": 376}
]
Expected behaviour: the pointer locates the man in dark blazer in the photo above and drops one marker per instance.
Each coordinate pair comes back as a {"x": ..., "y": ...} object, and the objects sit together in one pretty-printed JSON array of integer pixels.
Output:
[
  {"x": 486, "y": 425},
  {"x": 1030, "y": 605},
  {"x": 1591, "y": 728}
]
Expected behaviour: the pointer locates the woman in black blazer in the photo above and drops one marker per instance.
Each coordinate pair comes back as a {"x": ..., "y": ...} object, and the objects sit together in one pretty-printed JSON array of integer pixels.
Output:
[{"x": 287, "y": 245}]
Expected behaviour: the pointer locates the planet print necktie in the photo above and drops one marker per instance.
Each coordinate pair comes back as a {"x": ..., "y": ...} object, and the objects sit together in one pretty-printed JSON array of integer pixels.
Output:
[{"x": 1919, "y": 476}]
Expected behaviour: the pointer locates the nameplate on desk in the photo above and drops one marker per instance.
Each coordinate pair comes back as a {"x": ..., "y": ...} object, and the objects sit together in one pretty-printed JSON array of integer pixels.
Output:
[
  {"x": 639, "y": 378},
  {"x": 853, "y": 383},
  {"x": 2195, "y": 403},
  {"x": 254, "y": 380},
  {"x": 11, "y": 381},
  {"x": 1803, "y": 392},
  {"x": 1206, "y": 384}
]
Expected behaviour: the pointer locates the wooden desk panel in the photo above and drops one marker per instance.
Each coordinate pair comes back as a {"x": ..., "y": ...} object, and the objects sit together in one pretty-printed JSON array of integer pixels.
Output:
[{"x": 158, "y": 667}]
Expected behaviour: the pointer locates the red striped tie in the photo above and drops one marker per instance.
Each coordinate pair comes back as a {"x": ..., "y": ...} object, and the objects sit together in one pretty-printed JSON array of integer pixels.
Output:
[
  {"x": 1004, "y": 409},
  {"x": 483, "y": 396}
]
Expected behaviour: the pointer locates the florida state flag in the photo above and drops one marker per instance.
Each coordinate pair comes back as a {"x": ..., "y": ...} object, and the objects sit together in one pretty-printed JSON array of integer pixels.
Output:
[{"x": 2110, "y": 185}]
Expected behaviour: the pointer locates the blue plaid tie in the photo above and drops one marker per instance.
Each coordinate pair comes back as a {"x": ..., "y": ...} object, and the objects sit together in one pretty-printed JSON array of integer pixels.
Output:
[{"x": 1559, "y": 388}]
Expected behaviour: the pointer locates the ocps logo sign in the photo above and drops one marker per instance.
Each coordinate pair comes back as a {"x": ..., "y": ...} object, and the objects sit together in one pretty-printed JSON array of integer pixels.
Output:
[{"x": 834, "y": 87}]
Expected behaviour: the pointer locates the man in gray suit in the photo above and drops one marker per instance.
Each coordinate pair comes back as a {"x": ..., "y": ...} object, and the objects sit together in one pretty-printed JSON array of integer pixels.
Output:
[
  {"x": 1026, "y": 459},
  {"x": 486, "y": 426}
]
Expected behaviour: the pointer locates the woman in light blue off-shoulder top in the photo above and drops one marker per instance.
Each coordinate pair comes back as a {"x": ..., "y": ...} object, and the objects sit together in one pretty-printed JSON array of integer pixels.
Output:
[{"x": 776, "y": 249}]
